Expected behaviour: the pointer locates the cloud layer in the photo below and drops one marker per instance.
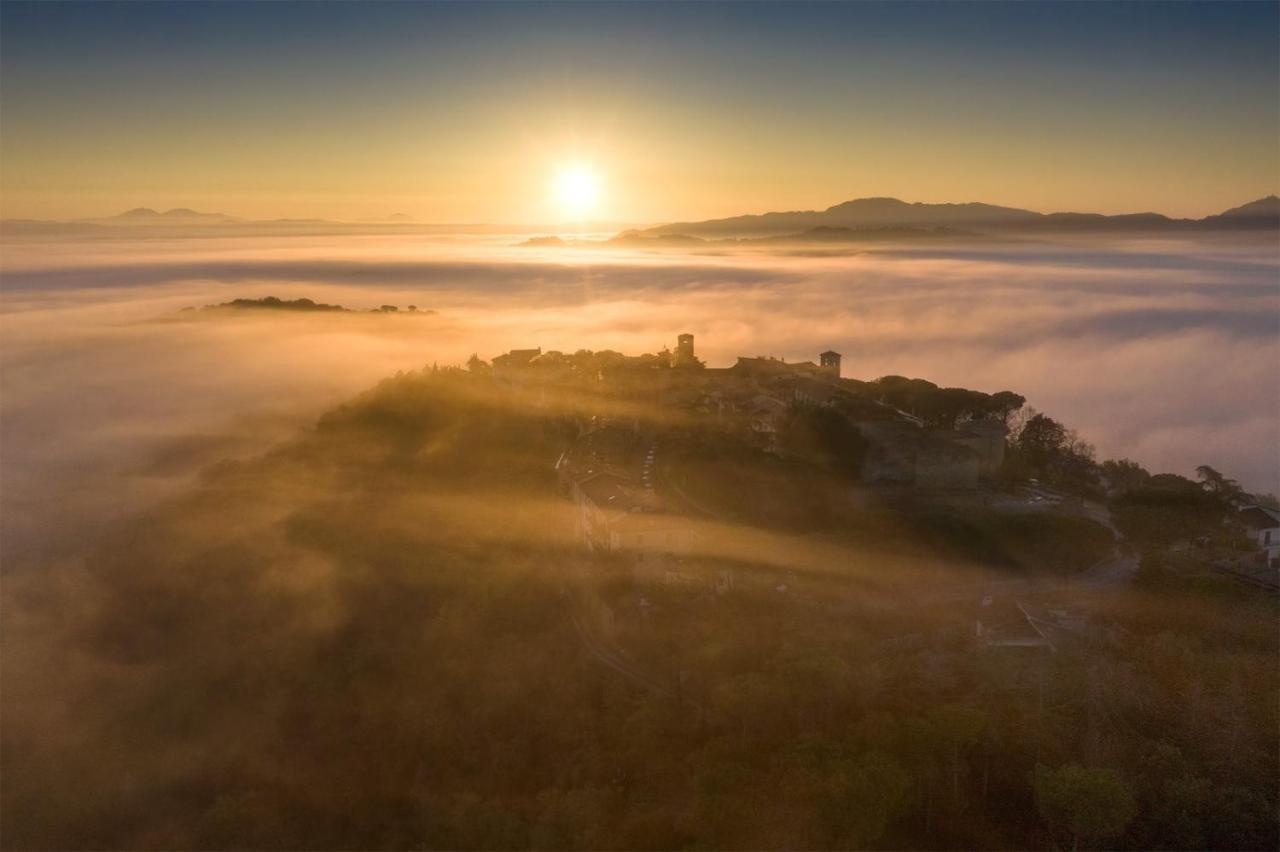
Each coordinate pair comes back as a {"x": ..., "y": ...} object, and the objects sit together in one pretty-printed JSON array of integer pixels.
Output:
[{"x": 1166, "y": 353}]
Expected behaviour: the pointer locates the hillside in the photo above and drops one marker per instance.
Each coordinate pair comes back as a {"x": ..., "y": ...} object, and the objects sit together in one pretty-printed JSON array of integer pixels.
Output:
[{"x": 406, "y": 595}]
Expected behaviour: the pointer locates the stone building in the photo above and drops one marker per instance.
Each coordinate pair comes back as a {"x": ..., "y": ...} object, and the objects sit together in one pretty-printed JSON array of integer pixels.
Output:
[
  {"x": 516, "y": 358},
  {"x": 944, "y": 466},
  {"x": 684, "y": 351},
  {"x": 901, "y": 453},
  {"x": 830, "y": 361},
  {"x": 1263, "y": 526}
]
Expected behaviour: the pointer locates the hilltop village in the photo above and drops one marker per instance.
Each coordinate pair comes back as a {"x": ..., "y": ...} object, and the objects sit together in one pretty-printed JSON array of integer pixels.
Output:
[
  {"x": 959, "y": 447},
  {"x": 765, "y": 589},
  {"x": 660, "y": 443},
  {"x": 623, "y": 466}
]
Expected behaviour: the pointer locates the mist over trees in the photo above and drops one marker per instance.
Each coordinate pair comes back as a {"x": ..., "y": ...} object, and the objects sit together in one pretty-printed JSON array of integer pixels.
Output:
[{"x": 383, "y": 634}]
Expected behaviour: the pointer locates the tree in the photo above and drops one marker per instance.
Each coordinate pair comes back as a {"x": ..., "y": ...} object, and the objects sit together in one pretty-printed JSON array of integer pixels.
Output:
[
  {"x": 1124, "y": 475},
  {"x": 1091, "y": 803},
  {"x": 1041, "y": 440},
  {"x": 872, "y": 794},
  {"x": 959, "y": 727},
  {"x": 1005, "y": 403},
  {"x": 1219, "y": 485},
  {"x": 943, "y": 408},
  {"x": 1055, "y": 453},
  {"x": 1264, "y": 498}
]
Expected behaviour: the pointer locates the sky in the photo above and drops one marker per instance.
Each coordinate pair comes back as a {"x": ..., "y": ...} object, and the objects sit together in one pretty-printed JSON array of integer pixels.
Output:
[{"x": 468, "y": 112}]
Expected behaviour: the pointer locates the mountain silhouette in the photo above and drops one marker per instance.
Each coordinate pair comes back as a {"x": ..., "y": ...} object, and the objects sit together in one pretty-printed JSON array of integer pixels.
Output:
[
  {"x": 175, "y": 216},
  {"x": 391, "y": 219},
  {"x": 864, "y": 213},
  {"x": 1265, "y": 212}
]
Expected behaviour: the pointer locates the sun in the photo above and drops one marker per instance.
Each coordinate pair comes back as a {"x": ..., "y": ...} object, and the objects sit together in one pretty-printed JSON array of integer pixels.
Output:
[{"x": 577, "y": 189}]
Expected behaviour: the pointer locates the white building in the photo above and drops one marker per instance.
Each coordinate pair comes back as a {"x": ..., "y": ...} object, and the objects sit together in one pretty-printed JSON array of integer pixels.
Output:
[{"x": 1263, "y": 525}]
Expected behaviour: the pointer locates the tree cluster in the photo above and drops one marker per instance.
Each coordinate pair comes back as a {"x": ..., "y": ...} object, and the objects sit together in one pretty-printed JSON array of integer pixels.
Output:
[{"x": 943, "y": 408}]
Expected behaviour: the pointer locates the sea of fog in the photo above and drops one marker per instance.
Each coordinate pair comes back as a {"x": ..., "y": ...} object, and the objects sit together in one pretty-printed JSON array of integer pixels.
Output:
[{"x": 1161, "y": 351}]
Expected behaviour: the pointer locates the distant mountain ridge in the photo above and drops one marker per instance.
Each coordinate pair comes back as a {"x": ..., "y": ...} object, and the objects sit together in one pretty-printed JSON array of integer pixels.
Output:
[
  {"x": 861, "y": 220},
  {"x": 175, "y": 216},
  {"x": 880, "y": 212},
  {"x": 1264, "y": 211}
]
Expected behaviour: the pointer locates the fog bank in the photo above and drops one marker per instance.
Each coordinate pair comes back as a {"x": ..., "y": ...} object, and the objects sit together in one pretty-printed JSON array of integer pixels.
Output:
[{"x": 1162, "y": 352}]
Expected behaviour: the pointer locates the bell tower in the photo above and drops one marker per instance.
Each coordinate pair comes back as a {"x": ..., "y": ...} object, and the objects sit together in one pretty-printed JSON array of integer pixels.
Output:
[
  {"x": 830, "y": 362},
  {"x": 684, "y": 349}
]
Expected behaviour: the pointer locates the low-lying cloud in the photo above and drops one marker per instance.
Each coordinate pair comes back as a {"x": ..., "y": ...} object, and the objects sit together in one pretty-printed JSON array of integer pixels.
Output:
[{"x": 1165, "y": 353}]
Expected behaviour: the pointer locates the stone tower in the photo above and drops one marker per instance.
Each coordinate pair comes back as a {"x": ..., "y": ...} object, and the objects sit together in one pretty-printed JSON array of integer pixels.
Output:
[
  {"x": 830, "y": 362},
  {"x": 684, "y": 349}
]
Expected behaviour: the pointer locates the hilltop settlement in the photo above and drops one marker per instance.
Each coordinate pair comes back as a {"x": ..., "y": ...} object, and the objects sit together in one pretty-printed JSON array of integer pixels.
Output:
[
  {"x": 636, "y": 464},
  {"x": 589, "y": 600},
  {"x": 958, "y": 446}
]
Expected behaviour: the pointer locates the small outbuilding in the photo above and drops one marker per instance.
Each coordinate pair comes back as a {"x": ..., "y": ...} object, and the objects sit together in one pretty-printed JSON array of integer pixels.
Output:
[{"x": 1263, "y": 525}]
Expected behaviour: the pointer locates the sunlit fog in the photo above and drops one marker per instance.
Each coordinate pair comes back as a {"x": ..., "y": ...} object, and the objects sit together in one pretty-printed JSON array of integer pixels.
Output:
[
  {"x": 639, "y": 426},
  {"x": 105, "y": 376}
]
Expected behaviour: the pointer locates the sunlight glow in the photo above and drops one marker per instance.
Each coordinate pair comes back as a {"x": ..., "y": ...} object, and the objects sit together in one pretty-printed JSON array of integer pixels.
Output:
[{"x": 577, "y": 189}]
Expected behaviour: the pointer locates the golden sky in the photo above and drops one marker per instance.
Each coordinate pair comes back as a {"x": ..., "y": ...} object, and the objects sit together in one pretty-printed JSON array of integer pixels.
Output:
[{"x": 468, "y": 113}]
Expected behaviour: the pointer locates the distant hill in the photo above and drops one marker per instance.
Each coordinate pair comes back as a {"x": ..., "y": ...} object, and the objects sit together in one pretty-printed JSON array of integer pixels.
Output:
[
  {"x": 820, "y": 235},
  {"x": 1265, "y": 212},
  {"x": 272, "y": 303},
  {"x": 828, "y": 234},
  {"x": 544, "y": 242},
  {"x": 858, "y": 214},
  {"x": 642, "y": 239},
  {"x": 882, "y": 213},
  {"x": 392, "y": 219},
  {"x": 176, "y": 216}
]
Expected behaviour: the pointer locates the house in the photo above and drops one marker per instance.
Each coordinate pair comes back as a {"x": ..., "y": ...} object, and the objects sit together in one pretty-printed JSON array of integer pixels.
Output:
[
  {"x": 768, "y": 367},
  {"x": 901, "y": 453},
  {"x": 759, "y": 367},
  {"x": 516, "y": 358},
  {"x": 1263, "y": 525},
  {"x": 600, "y": 496},
  {"x": 891, "y": 455},
  {"x": 647, "y": 535},
  {"x": 815, "y": 392},
  {"x": 618, "y": 515}
]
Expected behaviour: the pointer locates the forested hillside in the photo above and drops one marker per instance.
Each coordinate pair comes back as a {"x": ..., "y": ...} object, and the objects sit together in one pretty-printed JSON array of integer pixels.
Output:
[{"x": 385, "y": 634}]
